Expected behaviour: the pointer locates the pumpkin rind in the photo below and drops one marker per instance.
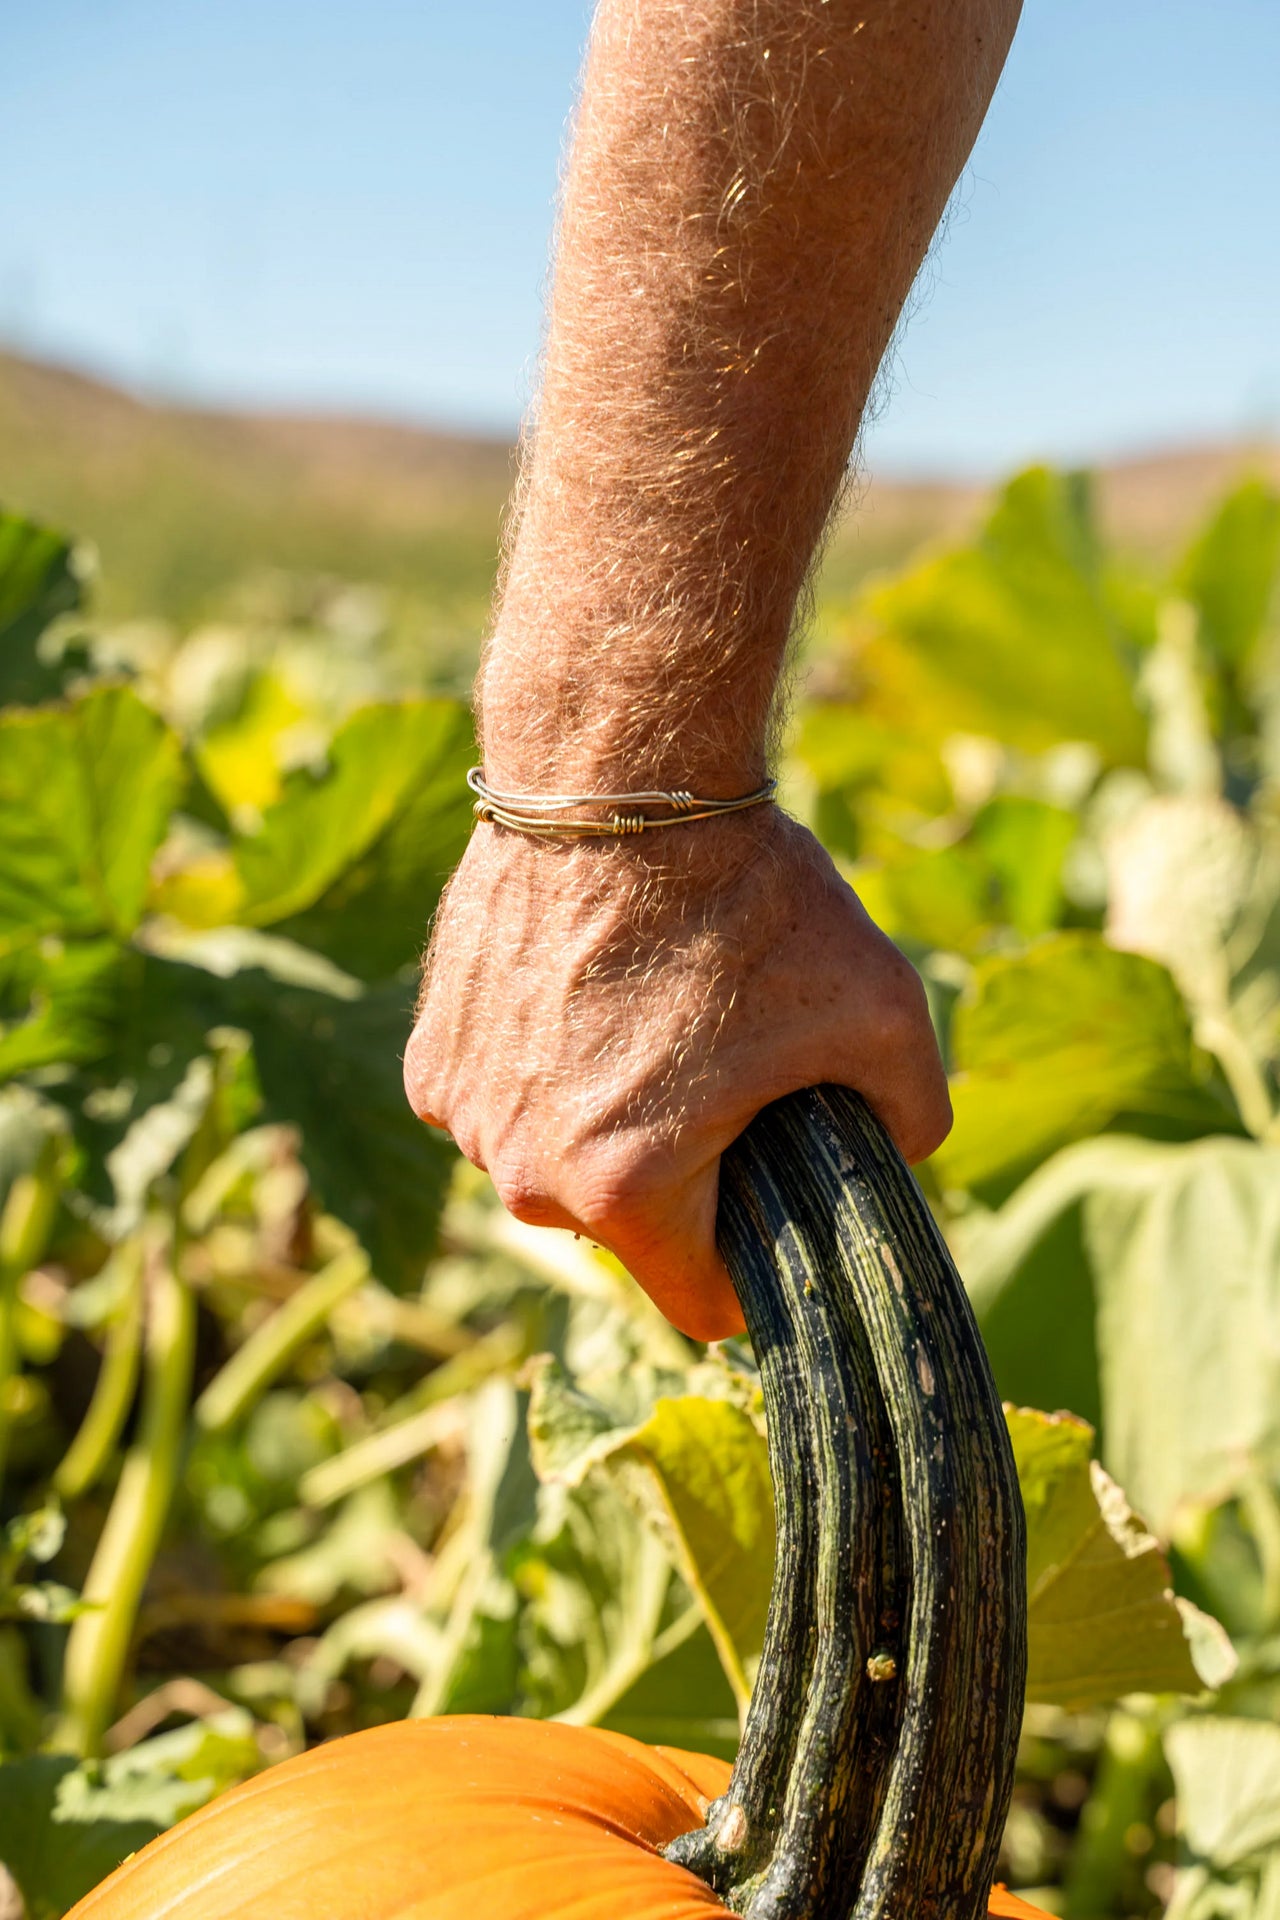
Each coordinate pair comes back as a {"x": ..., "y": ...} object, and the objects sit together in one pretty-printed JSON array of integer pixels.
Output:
[{"x": 460, "y": 1818}]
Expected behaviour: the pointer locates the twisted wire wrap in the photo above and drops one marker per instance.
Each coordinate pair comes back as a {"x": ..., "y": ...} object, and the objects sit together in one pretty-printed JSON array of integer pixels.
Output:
[{"x": 540, "y": 814}]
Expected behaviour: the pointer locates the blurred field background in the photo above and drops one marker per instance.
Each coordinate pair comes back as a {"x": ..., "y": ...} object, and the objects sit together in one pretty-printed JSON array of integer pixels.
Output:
[
  {"x": 298, "y": 1431},
  {"x": 195, "y": 512}
]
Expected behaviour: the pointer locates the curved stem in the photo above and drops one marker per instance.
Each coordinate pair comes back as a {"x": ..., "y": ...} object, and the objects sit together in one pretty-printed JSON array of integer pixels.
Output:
[
  {"x": 25, "y": 1225},
  {"x": 270, "y": 1347},
  {"x": 98, "y": 1644},
  {"x": 85, "y": 1460},
  {"x": 875, "y": 1772}
]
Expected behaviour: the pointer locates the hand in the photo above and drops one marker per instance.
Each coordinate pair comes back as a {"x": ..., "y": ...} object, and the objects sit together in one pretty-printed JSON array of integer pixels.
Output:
[{"x": 600, "y": 1019}]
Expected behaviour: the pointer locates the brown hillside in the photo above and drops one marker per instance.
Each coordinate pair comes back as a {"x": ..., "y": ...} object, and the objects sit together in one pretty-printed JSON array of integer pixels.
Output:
[{"x": 185, "y": 502}]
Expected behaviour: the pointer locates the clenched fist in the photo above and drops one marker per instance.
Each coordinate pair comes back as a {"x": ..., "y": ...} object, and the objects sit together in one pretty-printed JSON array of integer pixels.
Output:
[{"x": 599, "y": 1020}]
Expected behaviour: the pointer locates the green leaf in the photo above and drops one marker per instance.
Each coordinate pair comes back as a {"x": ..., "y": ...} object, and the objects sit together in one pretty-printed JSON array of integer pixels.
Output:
[
  {"x": 37, "y": 1535},
  {"x": 1186, "y": 1253},
  {"x": 1026, "y": 1271},
  {"x": 936, "y": 897},
  {"x": 698, "y": 1469},
  {"x": 44, "y": 1600},
  {"x": 1101, "y": 1618},
  {"x": 1007, "y": 872},
  {"x": 1016, "y": 636},
  {"x": 86, "y": 792},
  {"x": 332, "y": 1069},
  {"x": 353, "y": 1554},
  {"x": 711, "y": 1469},
  {"x": 156, "y": 1139},
  {"x": 1061, "y": 1041},
  {"x": 1230, "y": 572},
  {"x": 1180, "y": 1247},
  {"x": 352, "y": 862},
  {"x": 40, "y": 578},
  {"x": 1025, "y": 842},
  {"x": 58, "y": 1002},
  {"x": 682, "y": 1699},
  {"x": 1226, "y": 1775},
  {"x": 326, "y": 1063},
  {"x": 65, "y": 1826},
  {"x": 594, "y": 1582},
  {"x": 56, "y": 1860},
  {"x": 26, "y": 1122}
]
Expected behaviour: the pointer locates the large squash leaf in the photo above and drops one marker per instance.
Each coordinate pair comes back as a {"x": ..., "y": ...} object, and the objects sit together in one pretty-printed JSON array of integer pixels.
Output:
[
  {"x": 709, "y": 1466},
  {"x": 1014, "y": 637},
  {"x": 682, "y": 1698},
  {"x": 351, "y": 863},
  {"x": 1186, "y": 1258},
  {"x": 326, "y": 1055},
  {"x": 697, "y": 1468},
  {"x": 1007, "y": 872},
  {"x": 86, "y": 791},
  {"x": 1231, "y": 570},
  {"x": 1065, "y": 1039},
  {"x": 1227, "y": 1776},
  {"x": 65, "y": 1825},
  {"x": 1101, "y": 1617},
  {"x": 58, "y": 1001},
  {"x": 41, "y": 576},
  {"x": 594, "y": 1583},
  {"x": 1180, "y": 1246}
]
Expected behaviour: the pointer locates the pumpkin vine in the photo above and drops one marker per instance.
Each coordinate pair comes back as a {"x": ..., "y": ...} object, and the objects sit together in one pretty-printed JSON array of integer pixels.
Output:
[{"x": 877, "y": 1761}]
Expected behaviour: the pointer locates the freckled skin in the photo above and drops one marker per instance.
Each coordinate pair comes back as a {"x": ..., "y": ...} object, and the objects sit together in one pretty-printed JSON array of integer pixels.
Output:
[{"x": 620, "y": 1033}]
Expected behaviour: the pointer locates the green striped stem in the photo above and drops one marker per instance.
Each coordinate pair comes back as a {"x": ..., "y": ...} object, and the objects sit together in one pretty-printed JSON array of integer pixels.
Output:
[
  {"x": 877, "y": 1762},
  {"x": 89, "y": 1454},
  {"x": 270, "y": 1347},
  {"x": 26, "y": 1223},
  {"x": 98, "y": 1644}
]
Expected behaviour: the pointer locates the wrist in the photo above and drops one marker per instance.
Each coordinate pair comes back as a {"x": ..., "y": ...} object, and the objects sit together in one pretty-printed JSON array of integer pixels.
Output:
[{"x": 568, "y": 732}]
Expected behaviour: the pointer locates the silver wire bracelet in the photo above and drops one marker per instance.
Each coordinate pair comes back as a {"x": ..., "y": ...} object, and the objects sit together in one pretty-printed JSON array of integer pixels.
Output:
[{"x": 538, "y": 813}]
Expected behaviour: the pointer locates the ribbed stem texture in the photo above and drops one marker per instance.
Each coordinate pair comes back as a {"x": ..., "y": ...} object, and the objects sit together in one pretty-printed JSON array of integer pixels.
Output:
[{"x": 877, "y": 1761}]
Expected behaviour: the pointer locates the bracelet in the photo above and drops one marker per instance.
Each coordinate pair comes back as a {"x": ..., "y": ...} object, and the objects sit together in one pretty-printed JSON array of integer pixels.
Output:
[{"x": 537, "y": 813}]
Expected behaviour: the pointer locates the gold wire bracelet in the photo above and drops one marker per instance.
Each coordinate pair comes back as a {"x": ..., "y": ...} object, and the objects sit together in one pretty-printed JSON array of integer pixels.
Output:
[{"x": 538, "y": 813}]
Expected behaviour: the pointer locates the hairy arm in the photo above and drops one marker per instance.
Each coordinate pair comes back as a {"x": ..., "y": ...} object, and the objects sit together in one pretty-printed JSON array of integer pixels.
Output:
[{"x": 752, "y": 188}]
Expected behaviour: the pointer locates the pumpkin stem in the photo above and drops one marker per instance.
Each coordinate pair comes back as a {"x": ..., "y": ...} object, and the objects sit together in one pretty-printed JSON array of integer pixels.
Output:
[{"x": 877, "y": 1761}]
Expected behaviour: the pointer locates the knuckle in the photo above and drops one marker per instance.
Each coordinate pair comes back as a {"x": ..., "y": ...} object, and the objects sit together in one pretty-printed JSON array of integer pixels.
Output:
[
  {"x": 930, "y": 1124},
  {"x": 522, "y": 1193},
  {"x": 901, "y": 1022},
  {"x": 421, "y": 1084},
  {"x": 611, "y": 1182}
]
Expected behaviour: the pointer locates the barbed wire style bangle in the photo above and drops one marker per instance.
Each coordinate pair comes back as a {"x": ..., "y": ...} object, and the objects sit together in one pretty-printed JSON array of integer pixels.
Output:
[{"x": 544, "y": 814}]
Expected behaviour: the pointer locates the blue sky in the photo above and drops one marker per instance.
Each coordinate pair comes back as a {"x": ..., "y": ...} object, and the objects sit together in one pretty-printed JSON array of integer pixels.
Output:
[{"x": 296, "y": 202}]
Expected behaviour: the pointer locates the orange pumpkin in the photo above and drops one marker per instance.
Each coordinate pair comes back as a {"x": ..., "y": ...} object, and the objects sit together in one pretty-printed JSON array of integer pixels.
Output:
[{"x": 466, "y": 1818}]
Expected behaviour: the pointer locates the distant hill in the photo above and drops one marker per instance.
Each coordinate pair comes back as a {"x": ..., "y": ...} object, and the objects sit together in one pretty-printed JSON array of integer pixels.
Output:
[{"x": 184, "y": 504}]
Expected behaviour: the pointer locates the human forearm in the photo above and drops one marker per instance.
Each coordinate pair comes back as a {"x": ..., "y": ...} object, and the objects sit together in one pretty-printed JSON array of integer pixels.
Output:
[
  {"x": 752, "y": 188},
  {"x": 753, "y": 185}
]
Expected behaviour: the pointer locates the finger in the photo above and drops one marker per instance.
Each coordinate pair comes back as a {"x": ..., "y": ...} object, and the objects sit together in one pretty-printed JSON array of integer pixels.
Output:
[
  {"x": 661, "y": 1229},
  {"x": 888, "y": 1051},
  {"x": 419, "y": 1079},
  {"x": 668, "y": 1246}
]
